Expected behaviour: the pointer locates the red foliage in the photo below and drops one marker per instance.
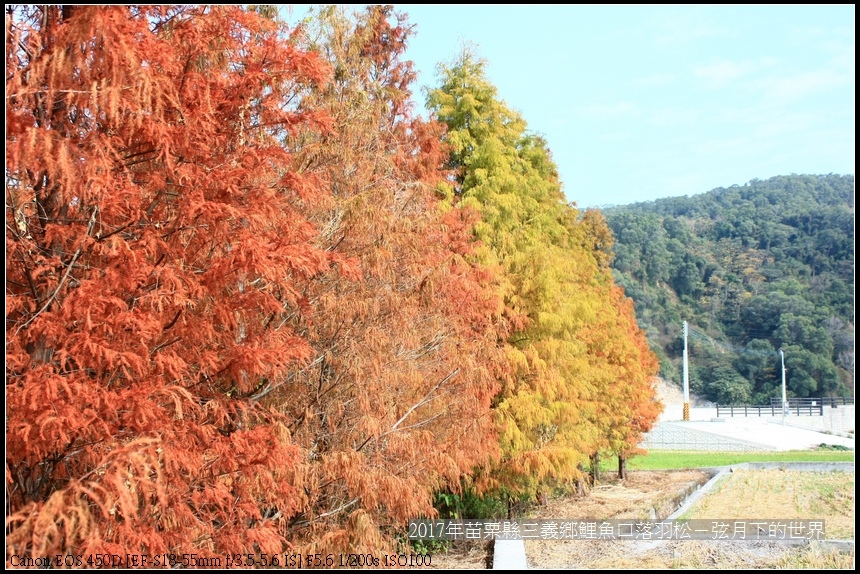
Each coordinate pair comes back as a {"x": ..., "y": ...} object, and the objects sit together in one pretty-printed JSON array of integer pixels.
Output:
[{"x": 153, "y": 251}]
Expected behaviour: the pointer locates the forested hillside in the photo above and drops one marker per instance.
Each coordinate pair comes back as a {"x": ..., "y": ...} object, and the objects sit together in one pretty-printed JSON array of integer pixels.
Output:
[{"x": 755, "y": 268}]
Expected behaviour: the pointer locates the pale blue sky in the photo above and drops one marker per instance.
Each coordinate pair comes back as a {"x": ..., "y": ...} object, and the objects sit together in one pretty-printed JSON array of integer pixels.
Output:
[{"x": 642, "y": 102}]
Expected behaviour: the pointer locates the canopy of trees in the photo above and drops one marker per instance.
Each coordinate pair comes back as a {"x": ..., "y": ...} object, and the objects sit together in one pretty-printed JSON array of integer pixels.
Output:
[
  {"x": 256, "y": 305},
  {"x": 755, "y": 268},
  {"x": 582, "y": 374}
]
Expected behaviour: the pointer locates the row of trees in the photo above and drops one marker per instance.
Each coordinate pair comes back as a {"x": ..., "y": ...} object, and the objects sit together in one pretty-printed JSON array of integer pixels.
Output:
[
  {"x": 760, "y": 267},
  {"x": 254, "y": 303}
]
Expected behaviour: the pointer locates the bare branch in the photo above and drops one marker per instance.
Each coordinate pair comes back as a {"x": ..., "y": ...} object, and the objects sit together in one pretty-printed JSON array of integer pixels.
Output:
[
  {"x": 65, "y": 276},
  {"x": 426, "y": 399}
]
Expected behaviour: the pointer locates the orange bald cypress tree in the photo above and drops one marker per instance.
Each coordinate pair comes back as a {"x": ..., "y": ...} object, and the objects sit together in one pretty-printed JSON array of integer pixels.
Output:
[
  {"x": 396, "y": 402},
  {"x": 153, "y": 253},
  {"x": 624, "y": 366}
]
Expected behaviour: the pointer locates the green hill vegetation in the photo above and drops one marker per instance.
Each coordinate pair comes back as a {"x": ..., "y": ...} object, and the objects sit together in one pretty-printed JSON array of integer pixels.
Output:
[{"x": 756, "y": 268}]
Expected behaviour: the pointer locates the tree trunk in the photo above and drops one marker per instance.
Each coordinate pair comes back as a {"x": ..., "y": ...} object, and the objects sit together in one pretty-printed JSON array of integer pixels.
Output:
[
  {"x": 622, "y": 467},
  {"x": 581, "y": 489},
  {"x": 595, "y": 468},
  {"x": 543, "y": 496}
]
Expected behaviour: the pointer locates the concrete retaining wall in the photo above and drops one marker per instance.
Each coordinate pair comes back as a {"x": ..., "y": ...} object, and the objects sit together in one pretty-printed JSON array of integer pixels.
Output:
[{"x": 671, "y": 436}]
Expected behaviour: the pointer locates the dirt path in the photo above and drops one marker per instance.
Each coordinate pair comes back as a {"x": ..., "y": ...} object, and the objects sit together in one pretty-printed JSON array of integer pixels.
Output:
[{"x": 644, "y": 495}]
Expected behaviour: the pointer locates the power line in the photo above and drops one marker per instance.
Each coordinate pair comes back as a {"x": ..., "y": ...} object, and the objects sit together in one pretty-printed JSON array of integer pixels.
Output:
[{"x": 729, "y": 347}]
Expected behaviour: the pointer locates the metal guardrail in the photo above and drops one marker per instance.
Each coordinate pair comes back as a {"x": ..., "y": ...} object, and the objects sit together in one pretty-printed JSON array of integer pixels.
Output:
[
  {"x": 767, "y": 410},
  {"x": 794, "y": 406},
  {"x": 813, "y": 401}
]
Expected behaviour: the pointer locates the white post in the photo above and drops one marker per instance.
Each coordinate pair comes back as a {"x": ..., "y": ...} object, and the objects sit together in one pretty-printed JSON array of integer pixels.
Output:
[
  {"x": 686, "y": 379},
  {"x": 784, "y": 400}
]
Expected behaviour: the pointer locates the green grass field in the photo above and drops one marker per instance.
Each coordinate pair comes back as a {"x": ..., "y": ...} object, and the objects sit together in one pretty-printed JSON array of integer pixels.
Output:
[{"x": 665, "y": 459}]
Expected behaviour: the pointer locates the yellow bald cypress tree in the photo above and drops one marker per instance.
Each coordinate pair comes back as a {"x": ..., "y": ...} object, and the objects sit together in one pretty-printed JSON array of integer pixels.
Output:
[{"x": 558, "y": 407}]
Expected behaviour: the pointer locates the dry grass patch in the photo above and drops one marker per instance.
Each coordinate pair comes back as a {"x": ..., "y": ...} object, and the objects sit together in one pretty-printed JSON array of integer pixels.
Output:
[
  {"x": 783, "y": 494},
  {"x": 463, "y": 555},
  {"x": 683, "y": 554}
]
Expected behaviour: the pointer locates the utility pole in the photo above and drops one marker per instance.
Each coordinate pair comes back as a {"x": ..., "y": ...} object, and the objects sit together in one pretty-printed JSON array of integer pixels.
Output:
[
  {"x": 686, "y": 379},
  {"x": 784, "y": 400}
]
